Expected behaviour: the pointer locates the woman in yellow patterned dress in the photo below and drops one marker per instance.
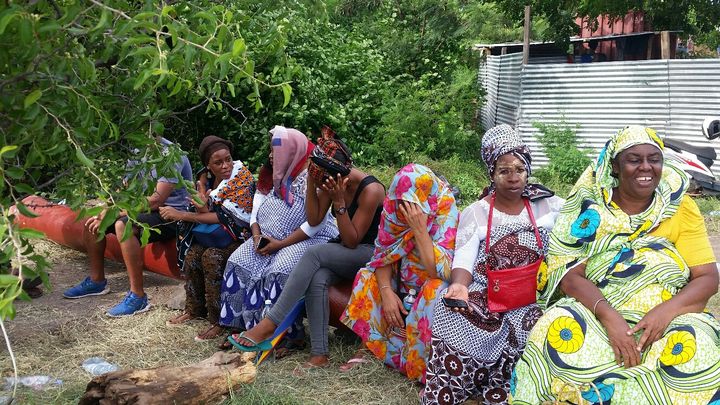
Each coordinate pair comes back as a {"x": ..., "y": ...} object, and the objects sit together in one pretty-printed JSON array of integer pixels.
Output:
[{"x": 630, "y": 270}]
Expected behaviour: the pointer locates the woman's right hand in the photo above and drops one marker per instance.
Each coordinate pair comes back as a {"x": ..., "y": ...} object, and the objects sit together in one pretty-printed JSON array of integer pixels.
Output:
[
  {"x": 458, "y": 291},
  {"x": 624, "y": 346},
  {"x": 392, "y": 308}
]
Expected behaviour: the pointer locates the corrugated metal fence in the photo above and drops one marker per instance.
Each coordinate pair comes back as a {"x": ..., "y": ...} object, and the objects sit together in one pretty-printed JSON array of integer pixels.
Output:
[{"x": 672, "y": 96}]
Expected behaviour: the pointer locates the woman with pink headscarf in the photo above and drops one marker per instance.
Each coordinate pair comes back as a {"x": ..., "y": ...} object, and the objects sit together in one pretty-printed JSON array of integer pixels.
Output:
[{"x": 258, "y": 269}]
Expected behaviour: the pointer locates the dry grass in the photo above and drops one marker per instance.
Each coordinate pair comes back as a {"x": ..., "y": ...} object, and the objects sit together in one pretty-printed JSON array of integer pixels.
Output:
[{"x": 52, "y": 336}]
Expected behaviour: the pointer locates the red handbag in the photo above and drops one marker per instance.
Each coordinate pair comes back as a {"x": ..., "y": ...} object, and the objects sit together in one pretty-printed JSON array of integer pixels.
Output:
[{"x": 511, "y": 288}]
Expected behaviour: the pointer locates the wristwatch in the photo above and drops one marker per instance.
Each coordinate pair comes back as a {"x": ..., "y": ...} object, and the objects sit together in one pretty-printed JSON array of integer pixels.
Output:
[{"x": 341, "y": 211}]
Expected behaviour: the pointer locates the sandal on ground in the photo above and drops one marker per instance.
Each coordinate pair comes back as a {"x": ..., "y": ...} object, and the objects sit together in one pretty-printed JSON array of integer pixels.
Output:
[
  {"x": 263, "y": 346},
  {"x": 356, "y": 360},
  {"x": 289, "y": 347},
  {"x": 225, "y": 343},
  {"x": 306, "y": 368},
  {"x": 180, "y": 320},
  {"x": 210, "y": 334}
]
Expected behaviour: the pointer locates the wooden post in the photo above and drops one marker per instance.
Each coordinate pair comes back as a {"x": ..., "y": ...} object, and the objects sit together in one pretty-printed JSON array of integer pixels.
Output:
[
  {"x": 665, "y": 44},
  {"x": 526, "y": 37}
]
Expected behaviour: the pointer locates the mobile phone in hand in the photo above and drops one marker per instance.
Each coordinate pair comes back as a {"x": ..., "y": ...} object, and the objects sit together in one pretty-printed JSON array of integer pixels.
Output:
[
  {"x": 263, "y": 242},
  {"x": 454, "y": 303}
]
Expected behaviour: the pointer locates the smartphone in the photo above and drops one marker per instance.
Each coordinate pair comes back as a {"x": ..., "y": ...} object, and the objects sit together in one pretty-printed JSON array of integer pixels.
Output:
[
  {"x": 454, "y": 303},
  {"x": 263, "y": 242}
]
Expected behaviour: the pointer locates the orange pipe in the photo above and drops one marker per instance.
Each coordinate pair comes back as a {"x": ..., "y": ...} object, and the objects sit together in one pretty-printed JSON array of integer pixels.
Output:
[{"x": 59, "y": 224}]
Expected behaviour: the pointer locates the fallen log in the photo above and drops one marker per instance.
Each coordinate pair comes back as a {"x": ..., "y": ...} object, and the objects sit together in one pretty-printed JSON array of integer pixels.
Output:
[{"x": 206, "y": 382}]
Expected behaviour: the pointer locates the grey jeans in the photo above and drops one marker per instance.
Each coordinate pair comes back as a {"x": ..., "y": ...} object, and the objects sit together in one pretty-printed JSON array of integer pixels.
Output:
[{"x": 319, "y": 268}]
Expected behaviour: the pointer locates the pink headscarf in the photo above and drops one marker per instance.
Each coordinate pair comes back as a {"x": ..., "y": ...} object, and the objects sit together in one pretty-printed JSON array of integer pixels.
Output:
[{"x": 291, "y": 149}]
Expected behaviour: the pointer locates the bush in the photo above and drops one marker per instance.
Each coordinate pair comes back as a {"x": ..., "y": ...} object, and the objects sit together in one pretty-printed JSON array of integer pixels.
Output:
[{"x": 567, "y": 160}]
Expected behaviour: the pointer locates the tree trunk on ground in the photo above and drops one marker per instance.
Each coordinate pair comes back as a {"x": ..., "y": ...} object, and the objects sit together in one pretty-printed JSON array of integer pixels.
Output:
[{"x": 205, "y": 382}]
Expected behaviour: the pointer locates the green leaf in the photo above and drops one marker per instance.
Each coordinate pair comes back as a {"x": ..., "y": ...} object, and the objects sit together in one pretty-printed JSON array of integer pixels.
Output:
[
  {"x": 166, "y": 10},
  {"x": 7, "y": 148},
  {"x": 238, "y": 47},
  {"x": 231, "y": 89},
  {"x": 109, "y": 218},
  {"x": 249, "y": 68},
  {"x": 5, "y": 20},
  {"x": 25, "y": 211},
  {"x": 28, "y": 233},
  {"x": 104, "y": 19},
  {"x": 31, "y": 98},
  {"x": 24, "y": 188},
  {"x": 127, "y": 232},
  {"x": 8, "y": 279},
  {"x": 145, "y": 236},
  {"x": 287, "y": 91},
  {"x": 83, "y": 159},
  {"x": 15, "y": 172}
]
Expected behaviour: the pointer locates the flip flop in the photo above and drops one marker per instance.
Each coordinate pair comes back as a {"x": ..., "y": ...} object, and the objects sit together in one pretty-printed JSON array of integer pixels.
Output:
[
  {"x": 352, "y": 363},
  {"x": 256, "y": 347}
]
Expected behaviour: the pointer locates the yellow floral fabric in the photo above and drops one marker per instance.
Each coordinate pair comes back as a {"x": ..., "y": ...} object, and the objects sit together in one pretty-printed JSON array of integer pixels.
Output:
[{"x": 637, "y": 262}]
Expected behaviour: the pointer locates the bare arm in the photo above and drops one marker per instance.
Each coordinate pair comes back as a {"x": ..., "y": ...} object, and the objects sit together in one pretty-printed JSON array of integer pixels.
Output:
[
  {"x": 353, "y": 230},
  {"x": 392, "y": 307},
  {"x": 576, "y": 285},
  {"x": 692, "y": 298},
  {"x": 417, "y": 220},
  {"x": 316, "y": 204},
  {"x": 161, "y": 193},
  {"x": 172, "y": 214}
]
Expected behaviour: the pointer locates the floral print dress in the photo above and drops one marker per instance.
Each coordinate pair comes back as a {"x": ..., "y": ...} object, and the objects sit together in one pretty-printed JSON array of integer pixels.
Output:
[
  {"x": 405, "y": 350},
  {"x": 638, "y": 262}
]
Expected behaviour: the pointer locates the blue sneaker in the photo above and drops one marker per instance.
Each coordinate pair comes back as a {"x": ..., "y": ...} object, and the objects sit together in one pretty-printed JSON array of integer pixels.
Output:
[
  {"x": 130, "y": 305},
  {"x": 86, "y": 288}
]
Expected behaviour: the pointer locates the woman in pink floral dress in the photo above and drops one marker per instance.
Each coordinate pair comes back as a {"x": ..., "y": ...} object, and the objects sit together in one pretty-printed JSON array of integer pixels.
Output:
[{"x": 413, "y": 250}]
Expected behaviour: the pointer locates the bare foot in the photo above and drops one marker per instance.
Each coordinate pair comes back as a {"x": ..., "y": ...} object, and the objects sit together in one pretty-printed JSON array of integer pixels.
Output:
[
  {"x": 258, "y": 333},
  {"x": 315, "y": 362},
  {"x": 180, "y": 319},
  {"x": 210, "y": 334}
]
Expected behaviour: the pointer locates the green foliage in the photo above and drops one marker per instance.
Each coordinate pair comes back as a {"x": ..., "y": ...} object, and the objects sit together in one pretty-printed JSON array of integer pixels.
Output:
[
  {"x": 84, "y": 84},
  {"x": 567, "y": 160}
]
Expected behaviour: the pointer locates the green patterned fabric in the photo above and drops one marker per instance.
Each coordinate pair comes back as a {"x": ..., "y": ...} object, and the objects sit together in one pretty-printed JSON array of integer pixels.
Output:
[{"x": 635, "y": 271}]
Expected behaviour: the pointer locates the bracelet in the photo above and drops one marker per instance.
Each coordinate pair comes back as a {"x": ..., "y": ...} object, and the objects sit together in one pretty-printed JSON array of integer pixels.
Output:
[
  {"x": 257, "y": 236},
  {"x": 384, "y": 286},
  {"x": 596, "y": 304}
]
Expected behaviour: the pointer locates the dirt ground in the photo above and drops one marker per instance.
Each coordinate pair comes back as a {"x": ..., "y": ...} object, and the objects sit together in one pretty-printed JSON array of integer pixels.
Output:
[{"x": 52, "y": 335}]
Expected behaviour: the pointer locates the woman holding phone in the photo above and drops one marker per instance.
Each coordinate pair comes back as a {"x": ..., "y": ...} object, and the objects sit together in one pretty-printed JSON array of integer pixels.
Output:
[
  {"x": 258, "y": 269},
  {"x": 356, "y": 200},
  {"x": 473, "y": 348},
  {"x": 413, "y": 251}
]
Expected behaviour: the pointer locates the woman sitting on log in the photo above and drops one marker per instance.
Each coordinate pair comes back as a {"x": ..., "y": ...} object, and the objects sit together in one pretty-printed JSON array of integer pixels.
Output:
[
  {"x": 413, "y": 254},
  {"x": 356, "y": 200},
  {"x": 476, "y": 340},
  {"x": 258, "y": 270},
  {"x": 630, "y": 272},
  {"x": 226, "y": 190}
]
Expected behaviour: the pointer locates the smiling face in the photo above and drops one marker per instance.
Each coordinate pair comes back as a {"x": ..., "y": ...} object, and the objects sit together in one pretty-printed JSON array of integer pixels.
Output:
[
  {"x": 639, "y": 169},
  {"x": 510, "y": 177},
  {"x": 221, "y": 164}
]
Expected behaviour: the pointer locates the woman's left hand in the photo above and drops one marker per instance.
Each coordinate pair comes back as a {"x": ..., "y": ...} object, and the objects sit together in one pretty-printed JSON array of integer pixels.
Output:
[
  {"x": 170, "y": 213},
  {"x": 653, "y": 325},
  {"x": 415, "y": 218},
  {"x": 273, "y": 246},
  {"x": 335, "y": 187}
]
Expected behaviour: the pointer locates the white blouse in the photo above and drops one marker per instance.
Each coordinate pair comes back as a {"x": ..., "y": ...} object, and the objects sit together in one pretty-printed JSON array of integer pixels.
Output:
[{"x": 473, "y": 226}]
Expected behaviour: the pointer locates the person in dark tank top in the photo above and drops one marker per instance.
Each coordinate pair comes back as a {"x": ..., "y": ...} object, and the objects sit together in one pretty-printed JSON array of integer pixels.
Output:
[{"x": 356, "y": 200}]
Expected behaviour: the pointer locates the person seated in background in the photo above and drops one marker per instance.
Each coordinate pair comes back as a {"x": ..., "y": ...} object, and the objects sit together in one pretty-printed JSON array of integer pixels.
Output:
[
  {"x": 258, "y": 270},
  {"x": 630, "y": 272},
  {"x": 356, "y": 200},
  {"x": 412, "y": 257},
  {"x": 226, "y": 190},
  {"x": 474, "y": 348},
  {"x": 167, "y": 192}
]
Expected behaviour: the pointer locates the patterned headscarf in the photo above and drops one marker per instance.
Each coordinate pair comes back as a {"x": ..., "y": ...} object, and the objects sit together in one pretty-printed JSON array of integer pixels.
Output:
[
  {"x": 501, "y": 140},
  {"x": 291, "y": 149},
  {"x": 589, "y": 223},
  {"x": 330, "y": 149},
  {"x": 417, "y": 184}
]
